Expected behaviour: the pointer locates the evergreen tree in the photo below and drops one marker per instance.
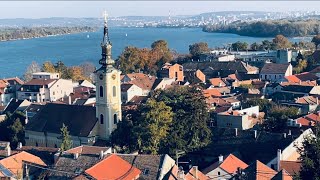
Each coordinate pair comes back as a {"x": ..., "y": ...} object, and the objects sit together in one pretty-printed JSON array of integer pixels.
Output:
[
  {"x": 310, "y": 156},
  {"x": 66, "y": 140},
  {"x": 16, "y": 133}
]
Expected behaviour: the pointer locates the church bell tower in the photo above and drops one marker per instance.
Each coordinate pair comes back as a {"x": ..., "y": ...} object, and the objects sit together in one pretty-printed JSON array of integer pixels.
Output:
[{"x": 108, "y": 92}]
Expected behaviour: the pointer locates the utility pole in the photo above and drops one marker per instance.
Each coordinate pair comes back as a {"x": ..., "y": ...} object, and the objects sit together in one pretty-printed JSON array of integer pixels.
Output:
[{"x": 178, "y": 154}]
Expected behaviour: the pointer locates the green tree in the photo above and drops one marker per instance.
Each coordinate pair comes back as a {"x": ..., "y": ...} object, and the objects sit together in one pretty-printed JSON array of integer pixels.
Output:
[
  {"x": 197, "y": 49},
  {"x": 310, "y": 156},
  {"x": 16, "y": 133},
  {"x": 48, "y": 67},
  {"x": 156, "y": 118},
  {"x": 264, "y": 104},
  {"x": 301, "y": 66},
  {"x": 130, "y": 60},
  {"x": 32, "y": 68},
  {"x": 281, "y": 42},
  {"x": 254, "y": 46},
  {"x": 278, "y": 116},
  {"x": 66, "y": 139},
  {"x": 316, "y": 40},
  {"x": 189, "y": 130},
  {"x": 239, "y": 46},
  {"x": 63, "y": 70}
]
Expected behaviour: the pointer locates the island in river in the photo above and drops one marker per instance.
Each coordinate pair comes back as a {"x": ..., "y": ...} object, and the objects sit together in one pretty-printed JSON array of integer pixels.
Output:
[{"x": 7, "y": 34}]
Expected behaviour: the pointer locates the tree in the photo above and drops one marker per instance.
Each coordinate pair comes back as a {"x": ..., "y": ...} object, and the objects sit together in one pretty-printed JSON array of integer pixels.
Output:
[
  {"x": 301, "y": 66},
  {"x": 310, "y": 156},
  {"x": 16, "y": 133},
  {"x": 66, "y": 140},
  {"x": 264, "y": 104},
  {"x": 32, "y": 68},
  {"x": 281, "y": 42},
  {"x": 254, "y": 46},
  {"x": 48, "y": 67},
  {"x": 156, "y": 118},
  {"x": 239, "y": 46},
  {"x": 189, "y": 130},
  {"x": 88, "y": 69},
  {"x": 130, "y": 60},
  {"x": 197, "y": 49},
  {"x": 63, "y": 70},
  {"x": 76, "y": 73},
  {"x": 316, "y": 40},
  {"x": 278, "y": 116}
]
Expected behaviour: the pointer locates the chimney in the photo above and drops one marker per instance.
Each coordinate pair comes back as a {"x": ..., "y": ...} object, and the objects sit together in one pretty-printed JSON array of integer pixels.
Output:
[
  {"x": 76, "y": 156},
  {"x": 195, "y": 171},
  {"x": 19, "y": 145},
  {"x": 180, "y": 175},
  {"x": 8, "y": 150},
  {"x": 26, "y": 120},
  {"x": 236, "y": 131},
  {"x": 285, "y": 135},
  {"x": 289, "y": 133},
  {"x": 278, "y": 159},
  {"x": 69, "y": 99},
  {"x": 220, "y": 159},
  {"x": 255, "y": 134},
  {"x": 101, "y": 154}
]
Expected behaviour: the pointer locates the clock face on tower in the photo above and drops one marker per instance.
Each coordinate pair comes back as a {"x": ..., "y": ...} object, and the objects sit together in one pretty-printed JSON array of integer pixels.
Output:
[
  {"x": 113, "y": 76},
  {"x": 100, "y": 76}
]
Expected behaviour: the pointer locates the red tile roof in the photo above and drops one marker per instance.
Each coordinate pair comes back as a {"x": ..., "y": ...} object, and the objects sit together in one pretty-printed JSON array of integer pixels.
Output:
[
  {"x": 232, "y": 163},
  {"x": 192, "y": 174},
  {"x": 14, "y": 163},
  {"x": 113, "y": 167},
  {"x": 217, "y": 82},
  {"x": 292, "y": 167},
  {"x": 211, "y": 92}
]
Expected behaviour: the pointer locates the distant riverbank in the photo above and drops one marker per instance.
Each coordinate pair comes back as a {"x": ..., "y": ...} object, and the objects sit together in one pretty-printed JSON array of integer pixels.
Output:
[
  {"x": 269, "y": 28},
  {"x": 13, "y": 34}
]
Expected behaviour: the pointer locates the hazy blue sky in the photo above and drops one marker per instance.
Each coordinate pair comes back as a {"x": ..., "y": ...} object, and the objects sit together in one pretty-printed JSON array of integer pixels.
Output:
[{"x": 37, "y": 9}]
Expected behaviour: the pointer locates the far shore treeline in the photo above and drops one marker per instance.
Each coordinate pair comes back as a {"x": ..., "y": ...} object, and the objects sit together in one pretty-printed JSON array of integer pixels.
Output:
[{"x": 269, "y": 28}]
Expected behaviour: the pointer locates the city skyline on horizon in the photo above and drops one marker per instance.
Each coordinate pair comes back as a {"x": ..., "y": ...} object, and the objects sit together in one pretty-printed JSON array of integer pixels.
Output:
[{"x": 82, "y": 9}]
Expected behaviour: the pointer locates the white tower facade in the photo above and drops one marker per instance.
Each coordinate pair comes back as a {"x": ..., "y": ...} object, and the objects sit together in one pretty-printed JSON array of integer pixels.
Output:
[{"x": 108, "y": 93}]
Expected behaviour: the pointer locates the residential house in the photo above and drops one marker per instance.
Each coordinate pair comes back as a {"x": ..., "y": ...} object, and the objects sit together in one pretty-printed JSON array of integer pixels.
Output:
[
  {"x": 8, "y": 89},
  {"x": 145, "y": 82},
  {"x": 217, "y": 82},
  {"x": 85, "y": 83},
  {"x": 163, "y": 83},
  {"x": 275, "y": 72},
  {"x": 282, "y": 175},
  {"x": 225, "y": 167},
  {"x": 194, "y": 76},
  {"x": 43, "y": 128},
  {"x": 42, "y": 90},
  {"x": 258, "y": 171},
  {"x": 291, "y": 167},
  {"x": 128, "y": 91},
  {"x": 290, "y": 152},
  {"x": 233, "y": 101},
  {"x": 172, "y": 71},
  {"x": 316, "y": 71},
  {"x": 306, "y": 121},
  {"x": 240, "y": 119},
  {"x": 45, "y": 75},
  {"x": 305, "y": 76},
  {"x": 305, "y": 104},
  {"x": 113, "y": 167},
  {"x": 221, "y": 69},
  {"x": 13, "y": 167},
  {"x": 211, "y": 93},
  {"x": 16, "y": 105},
  {"x": 192, "y": 174}
]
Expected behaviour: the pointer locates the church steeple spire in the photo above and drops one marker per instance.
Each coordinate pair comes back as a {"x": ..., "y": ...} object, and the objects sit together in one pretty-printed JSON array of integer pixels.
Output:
[{"x": 106, "y": 60}]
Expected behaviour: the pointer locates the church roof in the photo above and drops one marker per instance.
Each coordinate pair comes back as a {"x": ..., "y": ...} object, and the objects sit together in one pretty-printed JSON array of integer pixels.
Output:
[{"x": 80, "y": 120}]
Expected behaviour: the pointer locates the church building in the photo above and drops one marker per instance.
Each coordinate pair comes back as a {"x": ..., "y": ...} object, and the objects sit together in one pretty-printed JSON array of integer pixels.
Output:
[{"x": 86, "y": 124}]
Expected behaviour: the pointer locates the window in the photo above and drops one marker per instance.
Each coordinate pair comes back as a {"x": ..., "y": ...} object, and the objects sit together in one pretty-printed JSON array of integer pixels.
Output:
[
  {"x": 219, "y": 173},
  {"x": 114, "y": 90},
  {"x": 101, "y": 118},
  {"x": 176, "y": 74},
  {"x": 101, "y": 91},
  {"x": 115, "y": 119},
  {"x": 37, "y": 144},
  {"x": 53, "y": 93},
  {"x": 146, "y": 172},
  {"x": 265, "y": 76}
]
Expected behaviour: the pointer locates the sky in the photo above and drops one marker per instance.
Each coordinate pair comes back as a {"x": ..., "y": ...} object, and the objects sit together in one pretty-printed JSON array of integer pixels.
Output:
[{"x": 41, "y": 9}]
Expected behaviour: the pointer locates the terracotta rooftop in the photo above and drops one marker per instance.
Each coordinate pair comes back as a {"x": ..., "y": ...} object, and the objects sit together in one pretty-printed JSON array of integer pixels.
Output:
[
  {"x": 230, "y": 164},
  {"x": 211, "y": 92},
  {"x": 292, "y": 167},
  {"x": 192, "y": 174},
  {"x": 113, "y": 168},
  {"x": 282, "y": 175},
  {"x": 14, "y": 163},
  {"x": 259, "y": 171},
  {"x": 217, "y": 82}
]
